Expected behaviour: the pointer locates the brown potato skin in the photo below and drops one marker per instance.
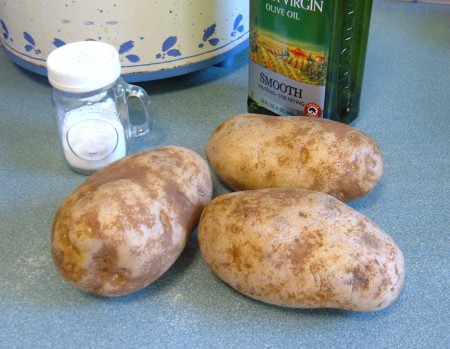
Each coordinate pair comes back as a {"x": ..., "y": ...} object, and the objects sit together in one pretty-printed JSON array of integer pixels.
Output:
[
  {"x": 300, "y": 249},
  {"x": 128, "y": 223},
  {"x": 251, "y": 151}
]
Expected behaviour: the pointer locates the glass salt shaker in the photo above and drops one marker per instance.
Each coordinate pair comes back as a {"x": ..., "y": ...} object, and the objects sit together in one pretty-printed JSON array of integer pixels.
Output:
[{"x": 91, "y": 105}]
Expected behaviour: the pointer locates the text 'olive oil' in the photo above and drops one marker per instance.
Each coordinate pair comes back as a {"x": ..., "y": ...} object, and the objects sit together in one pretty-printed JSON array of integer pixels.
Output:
[{"x": 307, "y": 57}]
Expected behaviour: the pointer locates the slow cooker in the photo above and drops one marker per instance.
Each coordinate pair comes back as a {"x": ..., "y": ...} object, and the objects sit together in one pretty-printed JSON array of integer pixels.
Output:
[{"x": 155, "y": 39}]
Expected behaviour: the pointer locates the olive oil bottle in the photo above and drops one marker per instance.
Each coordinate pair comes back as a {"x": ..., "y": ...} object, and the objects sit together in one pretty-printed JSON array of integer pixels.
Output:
[{"x": 307, "y": 57}]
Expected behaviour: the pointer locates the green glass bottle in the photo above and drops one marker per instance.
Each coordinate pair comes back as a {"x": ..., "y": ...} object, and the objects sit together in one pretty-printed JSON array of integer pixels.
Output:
[{"x": 307, "y": 57}]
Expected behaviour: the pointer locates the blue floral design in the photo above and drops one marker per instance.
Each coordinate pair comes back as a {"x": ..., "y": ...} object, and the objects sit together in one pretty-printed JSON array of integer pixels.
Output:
[
  {"x": 207, "y": 37},
  {"x": 5, "y": 30},
  {"x": 31, "y": 46},
  {"x": 237, "y": 26},
  {"x": 58, "y": 42},
  {"x": 126, "y": 47},
  {"x": 167, "y": 48}
]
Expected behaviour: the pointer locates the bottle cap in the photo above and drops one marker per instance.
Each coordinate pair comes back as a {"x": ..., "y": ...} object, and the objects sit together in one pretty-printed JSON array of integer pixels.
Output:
[{"x": 83, "y": 66}]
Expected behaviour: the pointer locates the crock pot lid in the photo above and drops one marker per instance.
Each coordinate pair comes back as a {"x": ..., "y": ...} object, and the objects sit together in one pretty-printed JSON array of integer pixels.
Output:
[{"x": 83, "y": 66}]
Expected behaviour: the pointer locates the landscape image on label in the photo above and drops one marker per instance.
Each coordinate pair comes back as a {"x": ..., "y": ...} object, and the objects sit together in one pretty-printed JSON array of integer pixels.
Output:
[{"x": 295, "y": 60}]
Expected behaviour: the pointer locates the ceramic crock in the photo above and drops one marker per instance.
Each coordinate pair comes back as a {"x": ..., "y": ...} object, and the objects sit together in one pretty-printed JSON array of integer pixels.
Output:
[{"x": 155, "y": 39}]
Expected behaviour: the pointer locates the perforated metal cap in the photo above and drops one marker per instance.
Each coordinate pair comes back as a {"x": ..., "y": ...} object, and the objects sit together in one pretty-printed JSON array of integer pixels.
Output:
[{"x": 83, "y": 66}]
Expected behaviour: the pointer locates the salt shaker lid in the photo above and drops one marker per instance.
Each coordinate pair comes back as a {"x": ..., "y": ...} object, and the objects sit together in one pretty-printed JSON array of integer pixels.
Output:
[{"x": 83, "y": 66}]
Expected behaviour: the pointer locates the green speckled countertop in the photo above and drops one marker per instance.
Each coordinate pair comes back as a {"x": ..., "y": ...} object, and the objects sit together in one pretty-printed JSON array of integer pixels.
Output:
[{"x": 405, "y": 109}]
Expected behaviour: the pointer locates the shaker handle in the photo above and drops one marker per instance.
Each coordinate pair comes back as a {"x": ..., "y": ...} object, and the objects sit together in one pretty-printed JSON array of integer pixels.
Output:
[{"x": 139, "y": 92}]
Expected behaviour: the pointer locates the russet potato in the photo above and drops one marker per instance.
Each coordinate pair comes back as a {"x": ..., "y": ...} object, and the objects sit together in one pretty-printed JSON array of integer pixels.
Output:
[
  {"x": 252, "y": 151},
  {"x": 301, "y": 249},
  {"x": 128, "y": 223}
]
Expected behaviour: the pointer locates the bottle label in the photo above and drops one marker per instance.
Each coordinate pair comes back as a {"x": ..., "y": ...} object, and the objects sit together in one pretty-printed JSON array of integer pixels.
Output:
[{"x": 289, "y": 48}]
